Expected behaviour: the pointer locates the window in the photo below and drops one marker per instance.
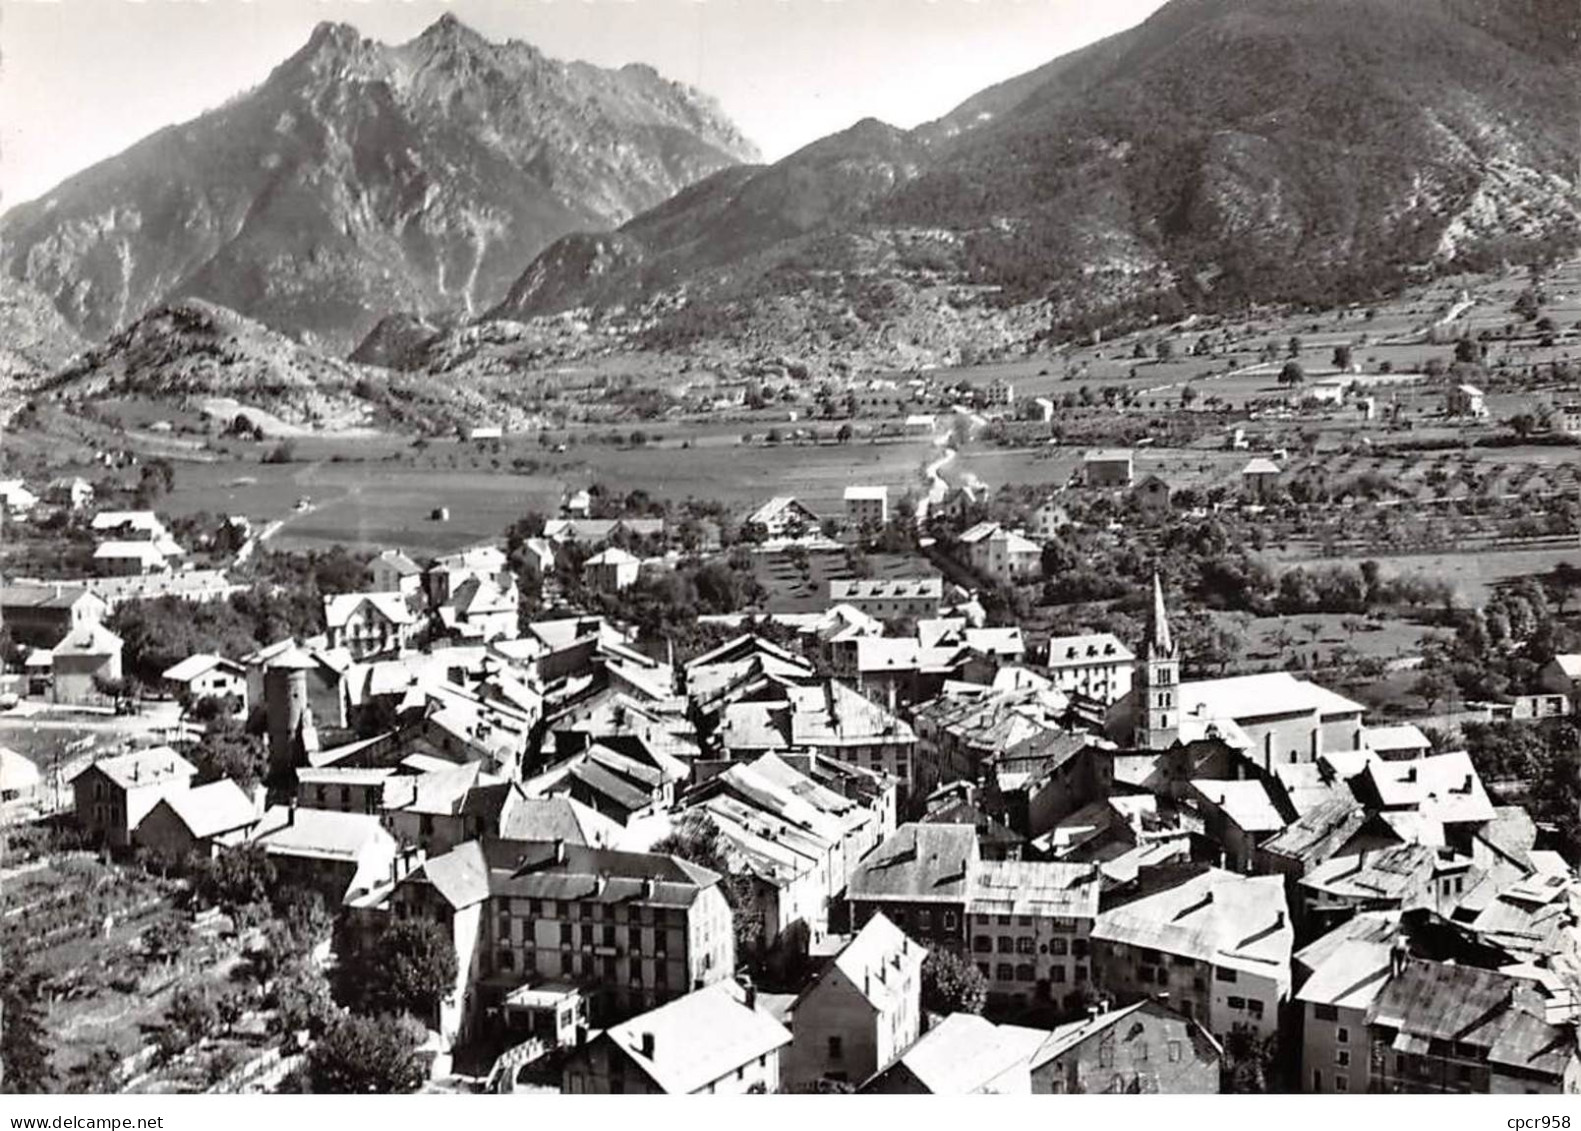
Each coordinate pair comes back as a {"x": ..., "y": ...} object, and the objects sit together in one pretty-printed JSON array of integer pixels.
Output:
[
  {"x": 1235, "y": 1002},
  {"x": 1025, "y": 946},
  {"x": 1057, "y": 946},
  {"x": 1341, "y": 1083},
  {"x": 836, "y": 1048},
  {"x": 565, "y": 934},
  {"x": 1004, "y": 920},
  {"x": 1255, "y": 1008},
  {"x": 1007, "y": 945},
  {"x": 1058, "y": 974},
  {"x": 1342, "y": 1058},
  {"x": 1317, "y": 1080},
  {"x": 1342, "y": 1035},
  {"x": 609, "y": 936},
  {"x": 925, "y": 921},
  {"x": 1174, "y": 1052},
  {"x": 1078, "y": 948},
  {"x": 1004, "y": 972},
  {"x": 1325, "y": 1013},
  {"x": 949, "y": 921},
  {"x": 1024, "y": 972},
  {"x": 1223, "y": 974},
  {"x": 982, "y": 944},
  {"x": 1024, "y": 920}
]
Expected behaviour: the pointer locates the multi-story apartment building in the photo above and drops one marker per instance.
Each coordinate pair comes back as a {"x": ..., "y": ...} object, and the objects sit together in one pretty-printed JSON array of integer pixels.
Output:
[
  {"x": 113, "y": 795},
  {"x": 1216, "y": 943},
  {"x": 1029, "y": 924},
  {"x": 866, "y": 506},
  {"x": 796, "y": 839},
  {"x": 825, "y": 717},
  {"x": 922, "y": 879},
  {"x": 1437, "y": 1027},
  {"x": 1096, "y": 665},
  {"x": 633, "y": 930},
  {"x": 1005, "y": 556},
  {"x": 890, "y": 598},
  {"x": 1334, "y": 1001},
  {"x": 861, "y": 1012}
]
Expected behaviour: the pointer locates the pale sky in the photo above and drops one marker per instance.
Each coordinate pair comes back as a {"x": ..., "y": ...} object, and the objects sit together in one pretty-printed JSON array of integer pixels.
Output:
[{"x": 80, "y": 80}]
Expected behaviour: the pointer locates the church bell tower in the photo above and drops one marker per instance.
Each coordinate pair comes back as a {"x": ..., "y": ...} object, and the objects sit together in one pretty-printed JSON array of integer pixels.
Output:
[{"x": 1157, "y": 691}]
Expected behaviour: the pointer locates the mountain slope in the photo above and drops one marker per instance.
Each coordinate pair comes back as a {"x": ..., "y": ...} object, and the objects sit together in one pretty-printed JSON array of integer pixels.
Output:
[
  {"x": 1223, "y": 150},
  {"x": 361, "y": 178},
  {"x": 34, "y": 338}
]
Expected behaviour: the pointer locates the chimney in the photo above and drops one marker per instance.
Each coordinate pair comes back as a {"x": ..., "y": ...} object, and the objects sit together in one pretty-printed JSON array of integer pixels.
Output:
[
  {"x": 559, "y": 850},
  {"x": 290, "y": 814},
  {"x": 647, "y": 1045},
  {"x": 1397, "y": 958},
  {"x": 650, "y": 888}
]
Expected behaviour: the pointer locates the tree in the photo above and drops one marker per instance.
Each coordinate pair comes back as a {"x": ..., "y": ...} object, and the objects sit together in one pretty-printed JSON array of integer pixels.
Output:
[
  {"x": 235, "y": 879},
  {"x": 695, "y": 838},
  {"x": 1166, "y": 350},
  {"x": 1433, "y": 687},
  {"x": 843, "y": 434},
  {"x": 368, "y": 1055},
  {"x": 411, "y": 968},
  {"x": 951, "y": 984},
  {"x": 1292, "y": 374},
  {"x": 1342, "y": 357},
  {"x": 1469, "y": 351},
  {"x": 1293, "y": 350},
  {"x": 1248, "y": 1064},
  {"x": 24, "y": 1041},
  {"x": 303, "y": 1001}
]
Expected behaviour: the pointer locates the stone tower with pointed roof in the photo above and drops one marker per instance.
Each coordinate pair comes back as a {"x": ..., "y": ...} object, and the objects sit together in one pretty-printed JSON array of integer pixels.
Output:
[{"x": 1157, "y": 680}]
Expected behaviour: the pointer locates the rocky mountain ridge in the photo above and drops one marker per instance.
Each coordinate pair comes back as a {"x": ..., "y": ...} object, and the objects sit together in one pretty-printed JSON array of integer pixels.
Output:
[{"x": 361, "y": 178}]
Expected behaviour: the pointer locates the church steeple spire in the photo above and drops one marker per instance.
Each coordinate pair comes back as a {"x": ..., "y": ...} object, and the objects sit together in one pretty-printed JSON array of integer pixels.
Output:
[
  {"x": 1158, "y": 642},
  {"x": 1157, "y": 679}
]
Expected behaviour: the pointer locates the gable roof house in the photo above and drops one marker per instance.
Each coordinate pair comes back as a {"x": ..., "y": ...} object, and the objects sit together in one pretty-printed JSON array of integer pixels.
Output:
[
  {"x": 200, "y": 821},
  {"x": 715, "y": 1040},
  {"x": 40, "y": 615},
  {"x": 861, "y": 1010},
  {"x": 206, "y": 675},
  {"x": 1144, "y": 1048},
  {"x": 784, "y": 516},
  {"x": 369, "y": 624},
  {"x": 87, "y": 657},
  {"x": 963, "y": 1055}
]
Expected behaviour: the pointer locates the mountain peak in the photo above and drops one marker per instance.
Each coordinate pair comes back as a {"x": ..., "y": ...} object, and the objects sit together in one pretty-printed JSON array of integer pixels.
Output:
[
  {"x": 332, "y": 35},
  {"x": 449, "y": 29}
]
